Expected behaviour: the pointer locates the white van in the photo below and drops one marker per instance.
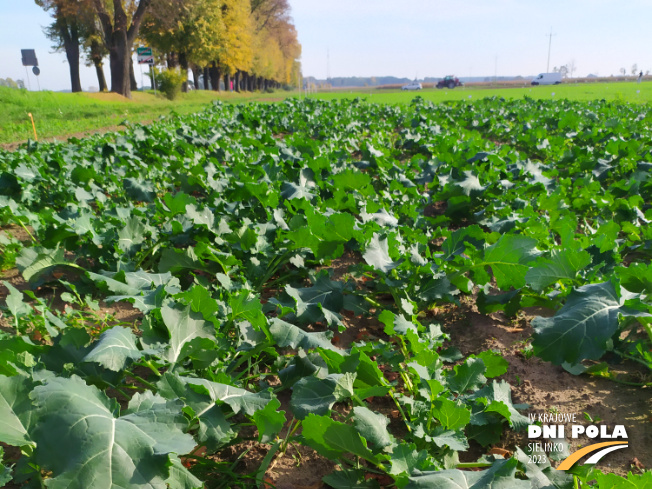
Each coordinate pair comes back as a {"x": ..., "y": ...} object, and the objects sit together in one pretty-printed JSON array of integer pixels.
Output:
[{"x": 547, "y": 79}]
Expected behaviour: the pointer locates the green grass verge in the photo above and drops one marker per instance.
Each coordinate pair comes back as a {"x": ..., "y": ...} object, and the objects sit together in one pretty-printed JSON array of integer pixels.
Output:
[{"x": 62, "y": 114}]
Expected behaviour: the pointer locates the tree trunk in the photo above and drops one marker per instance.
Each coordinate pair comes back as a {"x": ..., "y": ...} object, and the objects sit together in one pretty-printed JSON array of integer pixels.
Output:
[
  {"x": 70, "y": 35},
  {"x": 132, "y": 75},
  {"x": 183, "y": 64},
  {"x": 75, "y": 81},
  {"x": 173, "y": 59},
  {"x": 215, "y": 76},
  {"x": 101, "y": 79},
  {"x": 119, "y": 38},
  {"x": 195, "y": 76},
  {"x": 206, "y": 78},
  {"x": 119, "y": 62},
  {"x": 236, "y": 81},
  {"x": 227, "y": 82},
  {"x": 96, "y": 57}
]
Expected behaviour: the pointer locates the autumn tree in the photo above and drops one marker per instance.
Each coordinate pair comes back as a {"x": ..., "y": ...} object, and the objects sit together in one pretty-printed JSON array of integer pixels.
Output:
[
  {"x": 277, "y": 46},
  {"x": 235, "y": 52},
  {"x": 95, "y": 53},
  {"x": 120, "y": 21},
  {"x": 187, "y": 31},
  {"x": 70, "y": 23}
]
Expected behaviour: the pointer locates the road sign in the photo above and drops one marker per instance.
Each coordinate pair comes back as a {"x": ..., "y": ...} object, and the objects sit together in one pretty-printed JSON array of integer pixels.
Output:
[
  {"x": 29, "y": 57},
  {"x": 145, "y": 56},
  {"x": 36, "y": 70}
]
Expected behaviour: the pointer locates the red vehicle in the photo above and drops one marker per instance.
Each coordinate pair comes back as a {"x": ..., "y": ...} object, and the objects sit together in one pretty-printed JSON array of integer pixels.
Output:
[{"x": 449, "y": 81}]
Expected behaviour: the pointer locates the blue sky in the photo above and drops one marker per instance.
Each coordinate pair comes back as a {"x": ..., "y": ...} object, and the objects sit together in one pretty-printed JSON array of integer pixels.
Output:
[{"x": 410, "y": 38}]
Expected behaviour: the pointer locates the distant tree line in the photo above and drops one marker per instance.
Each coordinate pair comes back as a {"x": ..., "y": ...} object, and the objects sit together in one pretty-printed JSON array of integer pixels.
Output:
[
  {"x": 11, "y": 83},
  {"x": 250, "y": 43}
]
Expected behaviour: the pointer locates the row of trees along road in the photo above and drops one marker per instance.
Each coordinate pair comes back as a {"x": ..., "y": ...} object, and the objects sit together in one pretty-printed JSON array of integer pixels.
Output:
[{"x": 252, "y": 42}]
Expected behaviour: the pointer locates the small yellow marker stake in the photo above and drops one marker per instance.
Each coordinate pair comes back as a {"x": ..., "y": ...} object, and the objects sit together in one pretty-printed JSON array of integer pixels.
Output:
[{"x": 33, "y": 125}]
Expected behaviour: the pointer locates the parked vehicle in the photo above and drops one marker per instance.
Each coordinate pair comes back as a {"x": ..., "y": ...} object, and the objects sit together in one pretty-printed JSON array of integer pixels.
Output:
[
  {"x": 449, "y": 81},
  {"x": 547, "y": 79},
  {"x": 412, "y": 86}
]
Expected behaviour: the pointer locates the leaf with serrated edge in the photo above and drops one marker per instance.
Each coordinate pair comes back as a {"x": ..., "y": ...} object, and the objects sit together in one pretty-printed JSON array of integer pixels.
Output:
[
  {"x": 184, "y": 325},
  {"x": 581, "y": 328},
  {"x": 501, "y": 475},
  {"x": 114, "y": 349},
  {"x": 372, "y": 426},
  {"x": 238, "y": 399},
  {"x": 15, "y": 410},
  {"x": 85, "y": 443},
  {"x": 377, "y": 254},
  {"x": 317, "y": 396}
]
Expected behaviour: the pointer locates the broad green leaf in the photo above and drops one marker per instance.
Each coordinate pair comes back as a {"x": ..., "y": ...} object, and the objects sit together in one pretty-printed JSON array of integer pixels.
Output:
[
  {"x": 201, "y": 301},
  {"x": 113, "y": 283},
  {"x": 15, "y": 410},
  {"x": 15, "y": 303},
  {"x": 501, "y": 392},
  {"x": 637, "y": 277},
  {"x": 141, "y": 191},
  {"x": 333, "y": 439},
  {"x": 501, "y": 475},
  {"x": 81, "y": 438},
  {"x": 468, "y": 376},
  {"x": 405, "y": 459},
  {"x": 177, "y": 203},
  {"x": 451, "y": 415},
  {"x": 377, "y": 254},
  {"x": 114, "y": 349},
  {"x": 317, "y": 396},
  {"x": 581, "y": 328},
  {"x": 509, "y": 258},
  {"x": 131, "y": 234},
  {"x": 372, "y": 427},
  {"x": 269, "y": 421},
  {"x": 200, "y": 217},
  {"x": 214, "y": 429},
  {"x": 37, "y": 261},
  {"x": 495, "y": 363},
  {"x": 286, "y": 334},
  {"x": 180, "y": 477},
  {"x": 471, "y": 184},
  {"x": 543, "y": 475},
  {"x": 238, "y": 399},
  {"x": 246, "y": 308},
  {"x": 5, "y": 472},
  {"x": 184, "y": 326},
  {"x": 449, "y": 438},
  {"x": 349, "y": 479},
  {"x": 562, "y": 264},
  {"x": 633, "y": 481}
]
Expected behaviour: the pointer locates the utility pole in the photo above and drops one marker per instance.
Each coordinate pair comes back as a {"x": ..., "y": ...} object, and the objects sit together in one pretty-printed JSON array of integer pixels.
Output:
[
  {"x": 328, "y": 69},
  {"x": 496, "y": 70},
  {"x": 549, "y": 45}
]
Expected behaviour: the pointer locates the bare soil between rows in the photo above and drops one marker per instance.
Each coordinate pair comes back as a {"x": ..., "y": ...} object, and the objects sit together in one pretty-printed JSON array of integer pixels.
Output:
[{"x": 544, "y": 387}]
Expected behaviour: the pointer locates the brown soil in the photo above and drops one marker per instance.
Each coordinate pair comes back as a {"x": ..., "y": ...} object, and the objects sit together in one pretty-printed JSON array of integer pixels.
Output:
[
  {"x": 65, "y": 137},
  {"x": 546, "y": 388}
]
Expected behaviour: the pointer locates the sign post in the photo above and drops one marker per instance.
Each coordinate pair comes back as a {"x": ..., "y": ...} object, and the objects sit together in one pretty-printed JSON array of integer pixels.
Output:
[
  {"x": 146, "y": 57},
  {"x": 29, "y": 59}
]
